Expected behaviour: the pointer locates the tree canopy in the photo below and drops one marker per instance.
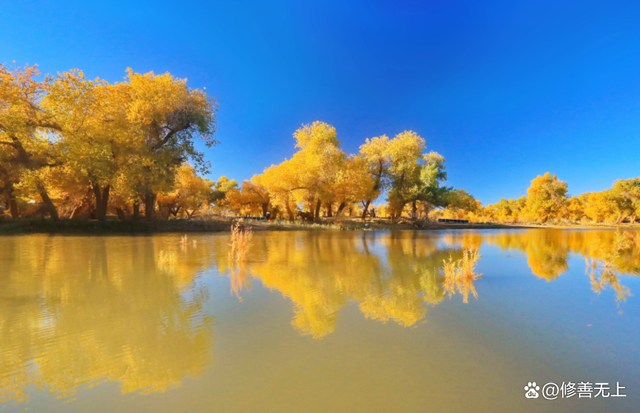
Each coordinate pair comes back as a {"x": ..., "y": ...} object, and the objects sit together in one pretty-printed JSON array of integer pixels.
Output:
[{"x": 81, "y": 146}]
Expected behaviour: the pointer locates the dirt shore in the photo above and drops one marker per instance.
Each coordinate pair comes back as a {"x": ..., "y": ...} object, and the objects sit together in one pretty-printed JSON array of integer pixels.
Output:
[{"x": 116, "y": 226}]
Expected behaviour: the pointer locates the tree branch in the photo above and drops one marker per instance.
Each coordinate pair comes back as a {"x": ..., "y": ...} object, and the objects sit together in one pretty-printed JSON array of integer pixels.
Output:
[{"x": 169, "y": 135}]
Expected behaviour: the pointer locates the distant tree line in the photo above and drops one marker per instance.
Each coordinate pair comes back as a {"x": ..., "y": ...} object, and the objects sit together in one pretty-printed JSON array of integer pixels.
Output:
[{"x": 547, "y": 200}]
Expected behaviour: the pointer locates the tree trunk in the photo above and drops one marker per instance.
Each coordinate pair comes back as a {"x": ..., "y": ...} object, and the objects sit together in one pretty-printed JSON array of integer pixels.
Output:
[
  {"x": 414, "y": 209},
  {"x": 11, "y": 202},
  {"x": 265, "y": 208},
  {"x": 329, "y": 211},
  {"x": 13, "y": 207},
  {"x": 318, "y": 205},
  {"x": 97, "y": 193},
  {"x": 340, "y": 209},
  {"x": 136, "y": 210},
  {"x": 191, "y": 214},
  {"x": 48, "y": 203},
  {"x": 106, "y": 192},
  {"x": 102, "y": 199},
  {"x": 149, "y": 205},
  {"x": 366, "y": 207},
  {"x": 82, "y": 206},
  {"x": 121, "y": 213}
]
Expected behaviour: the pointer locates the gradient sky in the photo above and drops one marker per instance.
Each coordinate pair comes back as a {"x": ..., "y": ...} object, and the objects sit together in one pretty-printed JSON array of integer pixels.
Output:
[{"x": 503, "y": 89}]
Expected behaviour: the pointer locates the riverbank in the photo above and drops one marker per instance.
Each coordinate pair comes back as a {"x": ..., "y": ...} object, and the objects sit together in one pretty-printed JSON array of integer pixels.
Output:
[
  {"x": 128, "y": 226},
  {"x": 115, "y": 226},
  {"x": 143, "y": 226}
]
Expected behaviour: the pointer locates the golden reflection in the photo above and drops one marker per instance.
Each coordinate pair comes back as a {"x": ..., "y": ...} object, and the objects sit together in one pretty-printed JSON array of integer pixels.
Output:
[
  {"x": 603, "y": 271},
  {"x": 546, "y": 250},
  {"x": 460, "y": 274},
  {"x": 396, "y": 276},
  {"x": 79, "y": 311},
  {"x": 608, "y": 254},
  {"x": 390, "y": 276},
  {"x": 240, "y": 280},
  {"x": 239, "y": 245}
]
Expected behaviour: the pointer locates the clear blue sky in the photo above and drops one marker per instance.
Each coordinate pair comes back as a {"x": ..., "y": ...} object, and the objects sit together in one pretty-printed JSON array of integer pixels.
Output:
[{"x": 503, "y": 89}]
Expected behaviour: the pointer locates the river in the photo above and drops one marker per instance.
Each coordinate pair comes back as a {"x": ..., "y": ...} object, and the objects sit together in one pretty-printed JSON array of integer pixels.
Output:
[{"x": 332, "y": 321}]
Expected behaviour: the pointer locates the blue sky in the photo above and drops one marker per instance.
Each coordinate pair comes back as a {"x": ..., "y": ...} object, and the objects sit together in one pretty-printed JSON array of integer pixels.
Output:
[{"x": 505, "y": 90}]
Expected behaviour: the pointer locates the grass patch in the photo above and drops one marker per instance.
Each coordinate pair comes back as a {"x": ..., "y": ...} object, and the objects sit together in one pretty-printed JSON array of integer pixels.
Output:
[{"x": 240, "y": 243}]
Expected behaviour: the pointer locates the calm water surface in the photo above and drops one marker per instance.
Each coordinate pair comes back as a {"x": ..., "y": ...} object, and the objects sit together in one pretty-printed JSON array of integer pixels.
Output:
[{"x": 318, "y": 322}]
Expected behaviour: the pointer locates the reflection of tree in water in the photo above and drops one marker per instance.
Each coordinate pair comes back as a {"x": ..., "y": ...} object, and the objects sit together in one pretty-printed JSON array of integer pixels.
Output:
[
  {"x": 603, "y": 271},
  {"x": 546, "y": 250},
  {"x": 78, "y": 310},
  {"x": 608, "y": 254},
  {"x": 239, "y": 278},
  {"x": 390, "y": 276}
]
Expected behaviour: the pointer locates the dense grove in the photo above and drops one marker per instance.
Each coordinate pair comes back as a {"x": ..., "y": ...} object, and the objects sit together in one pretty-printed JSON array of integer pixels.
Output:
[
  {"x": 321, "y": 179},
  {"x": 72, "y": 147},
  {"x": 547, "y": 200},
  {"x": 76, "y": 147}
]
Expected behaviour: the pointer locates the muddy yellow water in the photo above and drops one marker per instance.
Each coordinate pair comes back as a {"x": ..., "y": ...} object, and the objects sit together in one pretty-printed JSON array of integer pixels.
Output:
[{"x": 320, "y": 322}]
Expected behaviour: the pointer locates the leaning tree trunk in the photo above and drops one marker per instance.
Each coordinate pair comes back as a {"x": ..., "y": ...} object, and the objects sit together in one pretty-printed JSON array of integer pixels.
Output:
[
  {"x": 340, "y": 208},
  {"x": 366, "y": 207},
  {"x": 83, "y": 206},
  {"x": 290, "y": 212},
  {"x": 48, "y": 203},
  {"x": 102, "y": 200},
  {"x": 149, "y": 205}
]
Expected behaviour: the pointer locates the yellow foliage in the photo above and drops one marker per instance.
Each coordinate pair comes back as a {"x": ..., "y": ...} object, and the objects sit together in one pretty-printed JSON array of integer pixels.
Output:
[
  {"x": 251, "y": 199},
  {"x": 546, "y": 196},
  {"x": 191, "y": 193},
  {"x": 68, "y": 135}
]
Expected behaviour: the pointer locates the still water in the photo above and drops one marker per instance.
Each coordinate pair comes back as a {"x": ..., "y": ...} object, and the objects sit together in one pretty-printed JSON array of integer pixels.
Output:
[{"x": 318, "y": 322}]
